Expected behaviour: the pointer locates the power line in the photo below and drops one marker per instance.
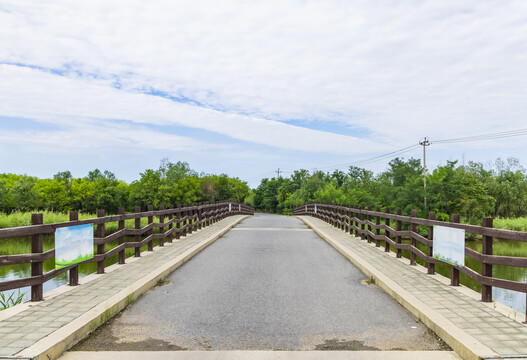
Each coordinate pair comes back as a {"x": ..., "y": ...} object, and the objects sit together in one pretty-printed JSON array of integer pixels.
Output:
[
  {"x": 498, "y": 135},
  {"x": 375, "y": 158}
]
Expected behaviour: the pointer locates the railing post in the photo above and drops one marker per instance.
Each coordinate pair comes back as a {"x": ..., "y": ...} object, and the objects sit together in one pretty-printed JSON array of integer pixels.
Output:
[
  {"x": 196, "y": 215},
  {"x": 37, "y": 268},
  {"x": 200, "y": 214},
  {"x": 74, "y": 271},
  {"x": 178, "y": 219},
  {"x": 431, "y": 266},
  {"x": 137, "y": 238},
  {"x": 369, "y": 226},
  {"x": 454, "y": 274},
  {"x": 162, "y": 229},
  {"x": 362, "y": 226},
  {"x": 486, "y": 269},
  {"x": 171, "y": 226},
  {"x": 151, "y": 231},
  {"x": 184, "y": 214},
  {"x": 191, "y": 218},
  {"x": 378, "y": 231},
  {"x": 356, "y": 215},
  {"x": 386, "y": 232},
  {"x": 121, "y": 238},
  {"x": 350, "y": 221},
  {"x": 398, "y": 239},
  {"x": 413, "y": 241},
  {"x": 100, "y": 247}
]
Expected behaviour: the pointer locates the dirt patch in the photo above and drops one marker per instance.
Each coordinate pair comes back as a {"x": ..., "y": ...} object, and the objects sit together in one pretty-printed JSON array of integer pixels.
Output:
[{"x": 348, "y": 345}]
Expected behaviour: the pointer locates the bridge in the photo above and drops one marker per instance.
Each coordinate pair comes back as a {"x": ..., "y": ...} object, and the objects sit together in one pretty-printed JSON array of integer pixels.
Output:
[{"x": 265, "y": 282}]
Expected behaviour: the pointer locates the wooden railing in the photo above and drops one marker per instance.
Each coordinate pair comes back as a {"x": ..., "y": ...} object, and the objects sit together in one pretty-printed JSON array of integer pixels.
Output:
[
  {"x": 180, "y": 221},
  {"x": 367, "y": 224}
]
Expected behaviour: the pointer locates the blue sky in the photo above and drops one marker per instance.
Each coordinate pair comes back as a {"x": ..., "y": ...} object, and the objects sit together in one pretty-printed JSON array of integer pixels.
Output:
[{"x": 250, "y": 87}]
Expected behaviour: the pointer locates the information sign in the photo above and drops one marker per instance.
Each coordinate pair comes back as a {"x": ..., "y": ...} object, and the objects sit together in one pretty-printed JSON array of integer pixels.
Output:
[
  {"x": 73, "y": 245},
  {"x": 449, "y": 245}
]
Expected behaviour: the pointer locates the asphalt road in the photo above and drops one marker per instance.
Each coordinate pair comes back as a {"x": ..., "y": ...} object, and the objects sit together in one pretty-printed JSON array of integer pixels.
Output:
[{"x": 268, "y": 284}]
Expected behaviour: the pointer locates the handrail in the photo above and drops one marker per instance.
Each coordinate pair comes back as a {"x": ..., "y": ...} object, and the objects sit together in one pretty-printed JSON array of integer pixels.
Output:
[{"x": 181, "y": 220}]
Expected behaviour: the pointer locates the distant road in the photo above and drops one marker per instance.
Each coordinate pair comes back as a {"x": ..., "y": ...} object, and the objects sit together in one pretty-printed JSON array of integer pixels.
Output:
[{"x": 268, "y": 284}]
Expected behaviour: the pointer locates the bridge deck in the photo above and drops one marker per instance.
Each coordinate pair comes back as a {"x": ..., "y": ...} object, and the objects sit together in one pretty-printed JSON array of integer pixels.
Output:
[
  {"x": 472, "y": 328},
  {"x": 67, "y": 314}
]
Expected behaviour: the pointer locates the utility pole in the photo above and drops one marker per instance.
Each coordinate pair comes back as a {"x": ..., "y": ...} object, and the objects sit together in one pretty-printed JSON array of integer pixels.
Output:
[
  {"x": 278, "y": 172},
  {"x": 425, "y": 143}
]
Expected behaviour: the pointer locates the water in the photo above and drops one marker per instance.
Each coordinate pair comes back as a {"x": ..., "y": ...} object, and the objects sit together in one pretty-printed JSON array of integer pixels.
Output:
[{"x": 22, "y": 245}]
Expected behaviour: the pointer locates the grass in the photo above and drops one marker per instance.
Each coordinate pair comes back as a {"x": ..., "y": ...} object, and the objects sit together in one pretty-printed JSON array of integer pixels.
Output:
[
  {"x": 13, "y": 299},
  {"x": 516, "y": 224},
  {"x": 17, "y": 219}
]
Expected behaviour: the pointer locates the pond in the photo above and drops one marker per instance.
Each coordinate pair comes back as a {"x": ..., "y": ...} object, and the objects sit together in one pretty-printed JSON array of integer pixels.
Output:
[{"x": 22, "y": 245}]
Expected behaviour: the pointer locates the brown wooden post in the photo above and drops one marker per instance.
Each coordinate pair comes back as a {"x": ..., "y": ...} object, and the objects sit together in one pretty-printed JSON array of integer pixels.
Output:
[
  {"x": 454, "y": 274},
  {"x": 184, "y": 223},
  {"x": 196, "y": 215},
  {"x": 350, "y": 221},
  {"x": 100, "y": 247},
  {"x": 378, "y": 222},
  {"x": 37, "y": 268},
  {"x": 137, "y": 238},
  {"x": 362, "y": 226},
  {"x": 170, "y": 217},
  {"x": 386, "y": 232},
  {"x": 122, "y": 238},
  {"x": 398, "y": 227},
  {"x": 178, "y": 223},
  {"x": 162, "y": 229},
  {"x": 200, "y": 214},
  {"x": 431, "y": 266},
  {"x": 356, "y": 215},
  {"x": 74, "y": 271},
  {"x": 413, "y": 242},
  {"x": 151, "y": 231},
  {"x": 486, "y": 269},
  {"x": 369, "y": 226},
  {"x": 191, "y": 220},
  {"x": 378, "y": 231}
]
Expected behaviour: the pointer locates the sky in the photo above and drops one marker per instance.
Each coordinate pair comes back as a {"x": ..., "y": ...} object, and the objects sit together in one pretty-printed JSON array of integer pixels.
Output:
[{"x": 245, "y": 88}]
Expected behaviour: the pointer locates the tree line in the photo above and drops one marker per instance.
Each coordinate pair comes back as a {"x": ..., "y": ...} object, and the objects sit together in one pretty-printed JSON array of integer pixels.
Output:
[
  {"x": 473, "y": 191},
  {"x": 171, "y": 183}
]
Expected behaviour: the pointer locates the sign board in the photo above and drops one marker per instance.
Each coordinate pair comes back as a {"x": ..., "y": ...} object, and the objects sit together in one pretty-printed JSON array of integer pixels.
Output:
[
  {"x": 239, "y": 207},
  {"x": 73, "y": 245},
  {"x": 230, "y": 207},
  {"x": 315, "y": 208},
  {"x": 449, "y": 245}
]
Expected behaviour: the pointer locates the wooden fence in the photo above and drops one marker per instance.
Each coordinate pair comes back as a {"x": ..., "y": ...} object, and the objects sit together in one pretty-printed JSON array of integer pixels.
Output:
[
  {"x": 367, "y": 224},
  {"x": 181, "y": 220}
]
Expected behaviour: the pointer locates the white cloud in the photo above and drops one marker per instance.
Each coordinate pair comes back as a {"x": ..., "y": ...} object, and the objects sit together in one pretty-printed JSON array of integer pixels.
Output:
[
  {"x": 47, "y": 97},
  {"x": 399, "y": 70}
]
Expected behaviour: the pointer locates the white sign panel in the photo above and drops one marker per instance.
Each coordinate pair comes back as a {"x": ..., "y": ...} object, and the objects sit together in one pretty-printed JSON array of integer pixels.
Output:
[
  {"x": 449, "y": 245},
  {"x": 315, "y": 208},
  {"x": 239, "y": 207},
  {"x": 230, "y": 207},
  {"x": 73, "y": 245}
]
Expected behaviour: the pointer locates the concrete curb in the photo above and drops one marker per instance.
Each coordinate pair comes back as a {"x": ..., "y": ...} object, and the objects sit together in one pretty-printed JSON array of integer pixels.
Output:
[
  {"x": 466, "y": 346},
  {"x": 261, "y": 355},
  {"x": 55, "y": 344}
]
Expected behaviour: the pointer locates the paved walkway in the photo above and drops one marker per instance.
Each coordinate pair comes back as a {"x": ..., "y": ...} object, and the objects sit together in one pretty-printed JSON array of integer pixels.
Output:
[
  {"x": 67, "y": 314},
  {"x": 270, "y": 283},
  {"x": 472, "y": 328}
]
